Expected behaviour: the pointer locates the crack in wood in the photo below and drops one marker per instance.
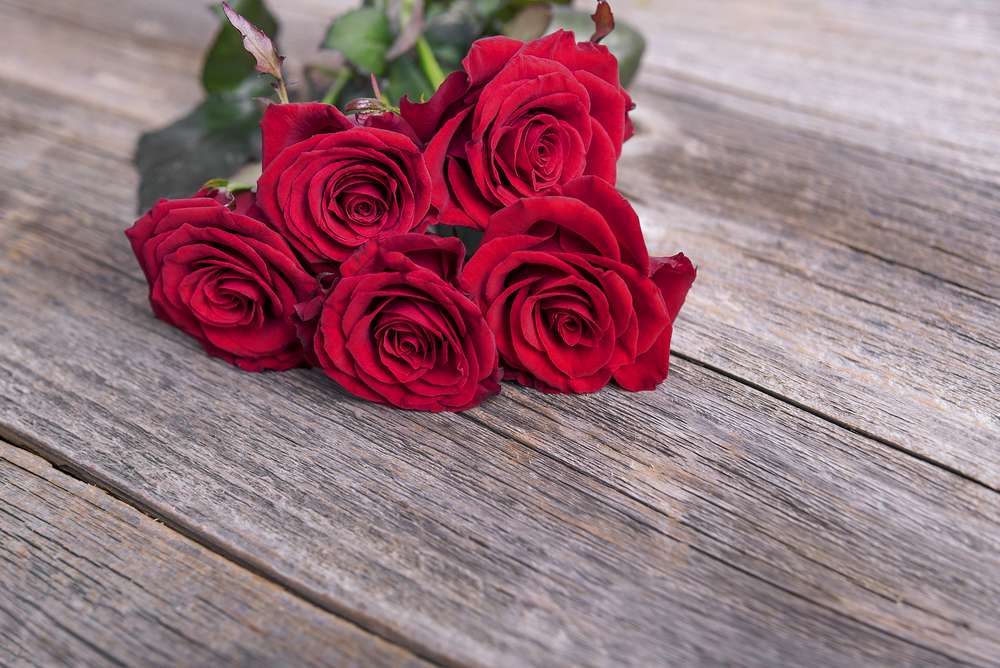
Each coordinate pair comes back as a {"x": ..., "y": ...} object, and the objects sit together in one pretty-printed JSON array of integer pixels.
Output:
[{"x": 234, "y": 556}]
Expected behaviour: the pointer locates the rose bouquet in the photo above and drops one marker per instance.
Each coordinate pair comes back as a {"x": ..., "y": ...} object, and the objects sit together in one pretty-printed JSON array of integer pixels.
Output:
[{"x": 418, "y": 254}]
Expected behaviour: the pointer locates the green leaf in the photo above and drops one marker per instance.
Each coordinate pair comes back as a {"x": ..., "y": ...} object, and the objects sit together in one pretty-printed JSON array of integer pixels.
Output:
[
  {"x": 625, "y": 42},
  {"x": 227, "y": 64},
  {"x": 451, "y": 30},
  {"x": 509, "y": 8},
  {"x": 229, "y": 186},
  {"x": 215, "y": 139},
  {"x": 471, "y": 238},
  {"x": 429, "y": 63},
  {"x": 363, "y": 36},
  {"x": 406, "y": 78},
  {"x": 459, "y": 24}
]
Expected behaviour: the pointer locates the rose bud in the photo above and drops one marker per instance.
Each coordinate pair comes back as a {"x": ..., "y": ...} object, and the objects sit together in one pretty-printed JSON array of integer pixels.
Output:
[
  {"x": 330, "y": 184},
  {"x": 566, "y": 285},
  {"x": 393, "y": 329},
  {"x": 520, "y": 119},
  {"x": 225, "y": 278}
]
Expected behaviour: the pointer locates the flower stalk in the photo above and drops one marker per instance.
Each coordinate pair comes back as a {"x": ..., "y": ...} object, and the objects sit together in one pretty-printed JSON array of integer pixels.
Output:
[{"x": 428, "y": 63}]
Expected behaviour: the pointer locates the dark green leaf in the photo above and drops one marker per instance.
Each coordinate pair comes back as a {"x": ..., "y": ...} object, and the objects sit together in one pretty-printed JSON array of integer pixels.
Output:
[
  {"x": 460, "y": 23},
  {"x": 227, "y": 64},
  {"x": 471, "y": 238},
  {"x": 363, "y": 36},
  {"x": 487, "y": 8},
  {"x": 452, "y": 30},
  {"x": 215, "y": 140},
  {"x": 625, "y": 42},
  {"x": 406, "y": 78},
  {"x": 510, "y": 8}
]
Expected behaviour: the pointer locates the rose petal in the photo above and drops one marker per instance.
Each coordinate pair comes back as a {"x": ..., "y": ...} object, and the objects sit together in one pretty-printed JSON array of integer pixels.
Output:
[
  {"x": 619, "y": 215},
  {"x": 287, "y": 124},
  {"x": 674, "y": 276}
]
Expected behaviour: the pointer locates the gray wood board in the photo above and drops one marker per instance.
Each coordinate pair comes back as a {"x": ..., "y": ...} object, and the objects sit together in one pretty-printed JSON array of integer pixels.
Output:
[
  {"x": 523, "y": 530},
  {"x": 833, "y": 166},
  {"x": 86, "y": 580},
  {"x": 707, "y": 522},
  {"x": 850, "y": 261}
]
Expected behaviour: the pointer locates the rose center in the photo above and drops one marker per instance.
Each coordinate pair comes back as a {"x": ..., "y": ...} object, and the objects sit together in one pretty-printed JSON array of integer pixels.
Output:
[
  {"x": 568, "y": 325},
  {"x": 223, "y": 298},
  {"x": 540, "y": 158},
  {"x": 362, "y": 209},
  {"x": 405, "y": 348},
  {"x": 544, "y": 154},
  {"x": 356, "y": 206}
]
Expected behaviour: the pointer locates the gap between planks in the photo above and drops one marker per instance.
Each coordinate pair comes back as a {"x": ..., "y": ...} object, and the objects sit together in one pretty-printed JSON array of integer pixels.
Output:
[
  {"x": 825, "y": 415},
  {"x": 707, "y": 554},
  {"x": 241, "y": 559},
  {"x": 798, "y": 406},
  {"x": 87, "y": 148},
  {"x": 373, "y": 627},
  {"x": 833, "y": 420},
  {"x": 231, "y": 554}
]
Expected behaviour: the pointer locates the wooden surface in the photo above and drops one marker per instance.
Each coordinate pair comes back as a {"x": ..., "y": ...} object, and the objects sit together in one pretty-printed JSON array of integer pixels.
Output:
[
  {"x": 85, "y": 579},
  {"x": 816, "y": 483}
]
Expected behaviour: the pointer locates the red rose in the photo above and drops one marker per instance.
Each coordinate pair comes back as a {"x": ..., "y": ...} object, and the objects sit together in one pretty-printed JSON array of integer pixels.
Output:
[
  {"x": 287, "y": 124},
  {"x": 392, "y": 329},
  {"x": 330, "y": 185},
  {"x": 565, "y": 285},
  {"x": 520, "y": 119},
  {"x": 226, "y": 279}
]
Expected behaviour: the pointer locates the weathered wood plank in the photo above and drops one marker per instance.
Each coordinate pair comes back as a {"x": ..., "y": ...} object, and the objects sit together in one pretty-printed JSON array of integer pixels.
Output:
[
  {"x": 714, "y": 524},
  {"x": 141, "y": 57},
  {"x": 787, "y": 301},
  {"x": 132, "y": 72},
  {"x": 849, "y": 265},
  {"x": 884, "y": 349},
  {"x": 884, "y": 87},
  {"x": 489, "y": 551},
  {"x": 865, "y": 73},
  {"x": 923, "y": 74},
  {"x": 843, "y": 204},
  {"x": 87, "y": 580},
  {"x": 499, "y": 550}
]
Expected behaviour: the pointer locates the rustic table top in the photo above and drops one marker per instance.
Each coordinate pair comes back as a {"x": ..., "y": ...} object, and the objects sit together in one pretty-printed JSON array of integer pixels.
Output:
[{"x": 817, "y": 483}]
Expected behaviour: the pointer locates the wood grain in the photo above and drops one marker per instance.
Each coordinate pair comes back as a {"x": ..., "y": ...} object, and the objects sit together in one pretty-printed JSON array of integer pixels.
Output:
[
  {"x": 849, "y": 264},
  {"x": 496, "y": 553},
  {"x": 86, "y": 580},
  {"x": 920, "y": 76},
  {"x": 842, "y": 201},
  {"x": 521, "y": 531},
  {"x": 705, "y": 523}
]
